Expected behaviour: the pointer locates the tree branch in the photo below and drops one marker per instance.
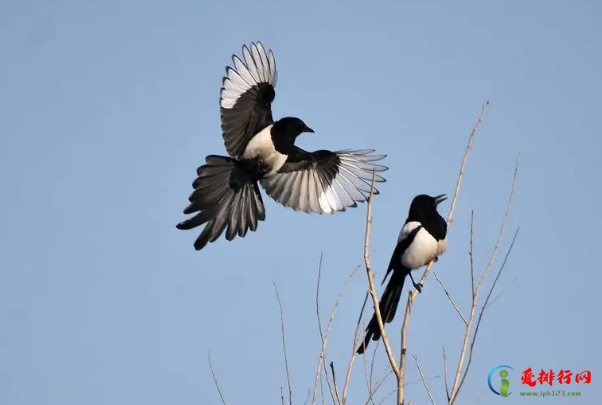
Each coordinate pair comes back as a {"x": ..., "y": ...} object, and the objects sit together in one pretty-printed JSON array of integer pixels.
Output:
[
  {"x": 372, "y": 288},
  {"x": 459, "y": 374},
  {"x": 288, "y": 374},
  {"x": 426, "y": 387},
  {"x": 215, "y": 378}
]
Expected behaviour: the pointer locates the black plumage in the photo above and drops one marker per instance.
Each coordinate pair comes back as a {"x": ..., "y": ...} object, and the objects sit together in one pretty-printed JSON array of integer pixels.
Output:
[
  {"x": 262, "y": 152},
  {"x": 422, "y": 239}
]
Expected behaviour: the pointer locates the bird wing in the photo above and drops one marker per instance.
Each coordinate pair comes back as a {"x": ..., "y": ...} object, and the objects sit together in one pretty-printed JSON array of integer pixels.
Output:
[
  {"x": 246, "y": 97},
  {"x": 405, "y": 239},
  {"x": 324, "y": 182}
]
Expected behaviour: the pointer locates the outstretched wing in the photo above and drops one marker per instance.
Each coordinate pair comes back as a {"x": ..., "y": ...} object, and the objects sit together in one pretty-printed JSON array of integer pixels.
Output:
[
  {"x": 324, "y": 182},
  {"x": 246, "y": 97}
]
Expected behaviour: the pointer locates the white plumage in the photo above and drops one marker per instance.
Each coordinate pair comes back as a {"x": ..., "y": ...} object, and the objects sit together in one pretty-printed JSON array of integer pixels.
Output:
[
  {"x": 350, "y": 185},
  {"x": 423, "y": 249},
  {"x": 262, "y": 147},
  {"x": 258, "y": 67}
]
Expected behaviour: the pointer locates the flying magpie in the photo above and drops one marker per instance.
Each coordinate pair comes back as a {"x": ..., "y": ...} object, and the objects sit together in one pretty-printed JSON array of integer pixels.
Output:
[
  {"x": 262, "y": 151},
  {"x": 423, "y": 238}
]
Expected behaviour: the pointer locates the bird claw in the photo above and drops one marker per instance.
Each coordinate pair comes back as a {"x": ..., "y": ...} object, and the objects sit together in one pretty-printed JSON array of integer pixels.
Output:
[
  {"x": 418, "y": 287},
  {"x": 436, "y": 259}
]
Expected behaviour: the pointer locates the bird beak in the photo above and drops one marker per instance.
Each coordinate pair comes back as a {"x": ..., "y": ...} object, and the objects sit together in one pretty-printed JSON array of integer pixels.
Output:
[
  {"x": 308, "y": 129},
  {"x": 440, "y": 198}
]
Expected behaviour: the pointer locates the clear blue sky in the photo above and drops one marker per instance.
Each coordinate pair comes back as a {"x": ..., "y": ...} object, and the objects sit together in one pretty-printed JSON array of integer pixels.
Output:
[{"x": 107, "y": 108}]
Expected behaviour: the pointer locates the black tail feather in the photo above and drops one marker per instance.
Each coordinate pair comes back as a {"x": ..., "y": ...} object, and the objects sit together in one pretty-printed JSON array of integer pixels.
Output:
[
  {"x": 388, "y": 307},
  {"x": 226, "y": 198}
]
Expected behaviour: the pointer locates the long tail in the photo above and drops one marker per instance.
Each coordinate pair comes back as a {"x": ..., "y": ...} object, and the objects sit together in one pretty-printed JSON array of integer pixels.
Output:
[
  {"x": 388, "y": 306},
  {"x": 224, "y": 196}
]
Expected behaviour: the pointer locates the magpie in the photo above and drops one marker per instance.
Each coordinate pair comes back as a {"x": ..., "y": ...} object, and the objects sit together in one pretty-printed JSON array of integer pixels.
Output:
[
  {"x": 262, "y": 152},
  {"x": 423, "y": 238}
]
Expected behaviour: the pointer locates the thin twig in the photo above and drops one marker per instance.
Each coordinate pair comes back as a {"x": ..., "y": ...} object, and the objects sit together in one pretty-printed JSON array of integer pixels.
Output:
[
  {"x": 457, "y": 384},
  {"x": 215, "y": 378},
  {"x": 402, "y": 361},
  {"x": 471, "y": 254},
  {"x": 353, "y": 350},
  {"x": 372, "y": 362},
  {"x": 377, "y": 386},
  {"x": 307, "y": 397},
  {"x": 445, "y": 373},
  {"x": 327, "y": 334},
  {"x": 500, "y": 294},
  {"x": 372, "y": 289},
  {"x": 368, "y": 380},
  {"x": 426, "y": 387},
  {"x": 450, "y": 298},
  {"x": 322, "y": 391},
  {"x": 288, "y": 374},
  {"x": 474, "y": 338},
  {"x": 387, "y": 396},
  {"x": 503, "y": 227},
  {"x": 322, "y": 355}
]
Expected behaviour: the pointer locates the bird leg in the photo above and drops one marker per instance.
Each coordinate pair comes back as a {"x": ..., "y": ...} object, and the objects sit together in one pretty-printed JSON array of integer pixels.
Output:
[{"x": 417, "y": 286}]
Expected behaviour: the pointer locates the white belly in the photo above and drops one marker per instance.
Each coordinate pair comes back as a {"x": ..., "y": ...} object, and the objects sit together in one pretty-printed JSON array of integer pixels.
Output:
[
  {"x": 261, "y": 147},
  {"x": 422, "y": 250},
  {"x": 442, "y": 247}
]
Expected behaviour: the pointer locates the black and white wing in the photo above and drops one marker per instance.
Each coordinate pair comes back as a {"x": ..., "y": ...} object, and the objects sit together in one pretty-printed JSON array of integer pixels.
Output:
[
  {"x": 406, "y": 237},
  {"x": 324, "y": 182},
  {"x": 246, "y": 97}
]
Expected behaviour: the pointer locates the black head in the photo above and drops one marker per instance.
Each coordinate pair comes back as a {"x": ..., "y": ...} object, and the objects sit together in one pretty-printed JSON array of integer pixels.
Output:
[
  {"x": 423, "y": 205},
  {"x": 291, "y": 126}
]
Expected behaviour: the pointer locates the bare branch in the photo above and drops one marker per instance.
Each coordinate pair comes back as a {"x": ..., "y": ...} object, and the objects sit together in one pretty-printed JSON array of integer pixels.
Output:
[
  {"x": 372, "y": 289},
  {"x": 450, "y": 298},
  {"x": 373, "y": 361},
  {"x": 328, "y": 328},
  {"x": 503, "y": 227},
  {"x": 307, "y": 397},
  {"x": 445, "y": 375},
  {"x": 474, "y": 338},
  {"x": 368, "y": 381},
  {"x": 322, "y": 354},
  {"x": 500, "y": 294},
  {"x": 388, "y": 395},
  {"x": 471, "y": 253},
  {"x": 459, "y": 374},
  {"x": 377, "y": 386},
  {"x": 426, "y": 387},
  {"x": 402, "y": 361},
  {"x": 322, "y": 391},
  {"x": 353, "y": 349},
  {"x": 215, "y": 379},
  {"x": 288, "y": 374}
]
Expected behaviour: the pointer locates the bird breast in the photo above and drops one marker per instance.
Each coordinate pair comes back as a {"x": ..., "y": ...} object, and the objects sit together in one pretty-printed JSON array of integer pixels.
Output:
[
  {"x": 422, "y": 250},
  {"x": 261, "y": 147}
]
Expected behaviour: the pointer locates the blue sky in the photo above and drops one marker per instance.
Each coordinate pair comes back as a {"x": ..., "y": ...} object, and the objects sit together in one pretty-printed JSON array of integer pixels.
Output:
[{"x": 107, "y": 108}]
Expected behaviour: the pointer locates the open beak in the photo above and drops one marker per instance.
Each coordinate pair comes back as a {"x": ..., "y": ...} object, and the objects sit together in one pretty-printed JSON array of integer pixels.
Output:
[
  {"x": 308, "y": 129},
  {"x": 440, "y": 198}
]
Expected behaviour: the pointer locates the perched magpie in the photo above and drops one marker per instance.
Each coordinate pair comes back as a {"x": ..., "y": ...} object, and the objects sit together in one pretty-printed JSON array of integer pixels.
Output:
[
  {"x": 262, "y": 151},
  {"x": 423, "y": 238}
]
